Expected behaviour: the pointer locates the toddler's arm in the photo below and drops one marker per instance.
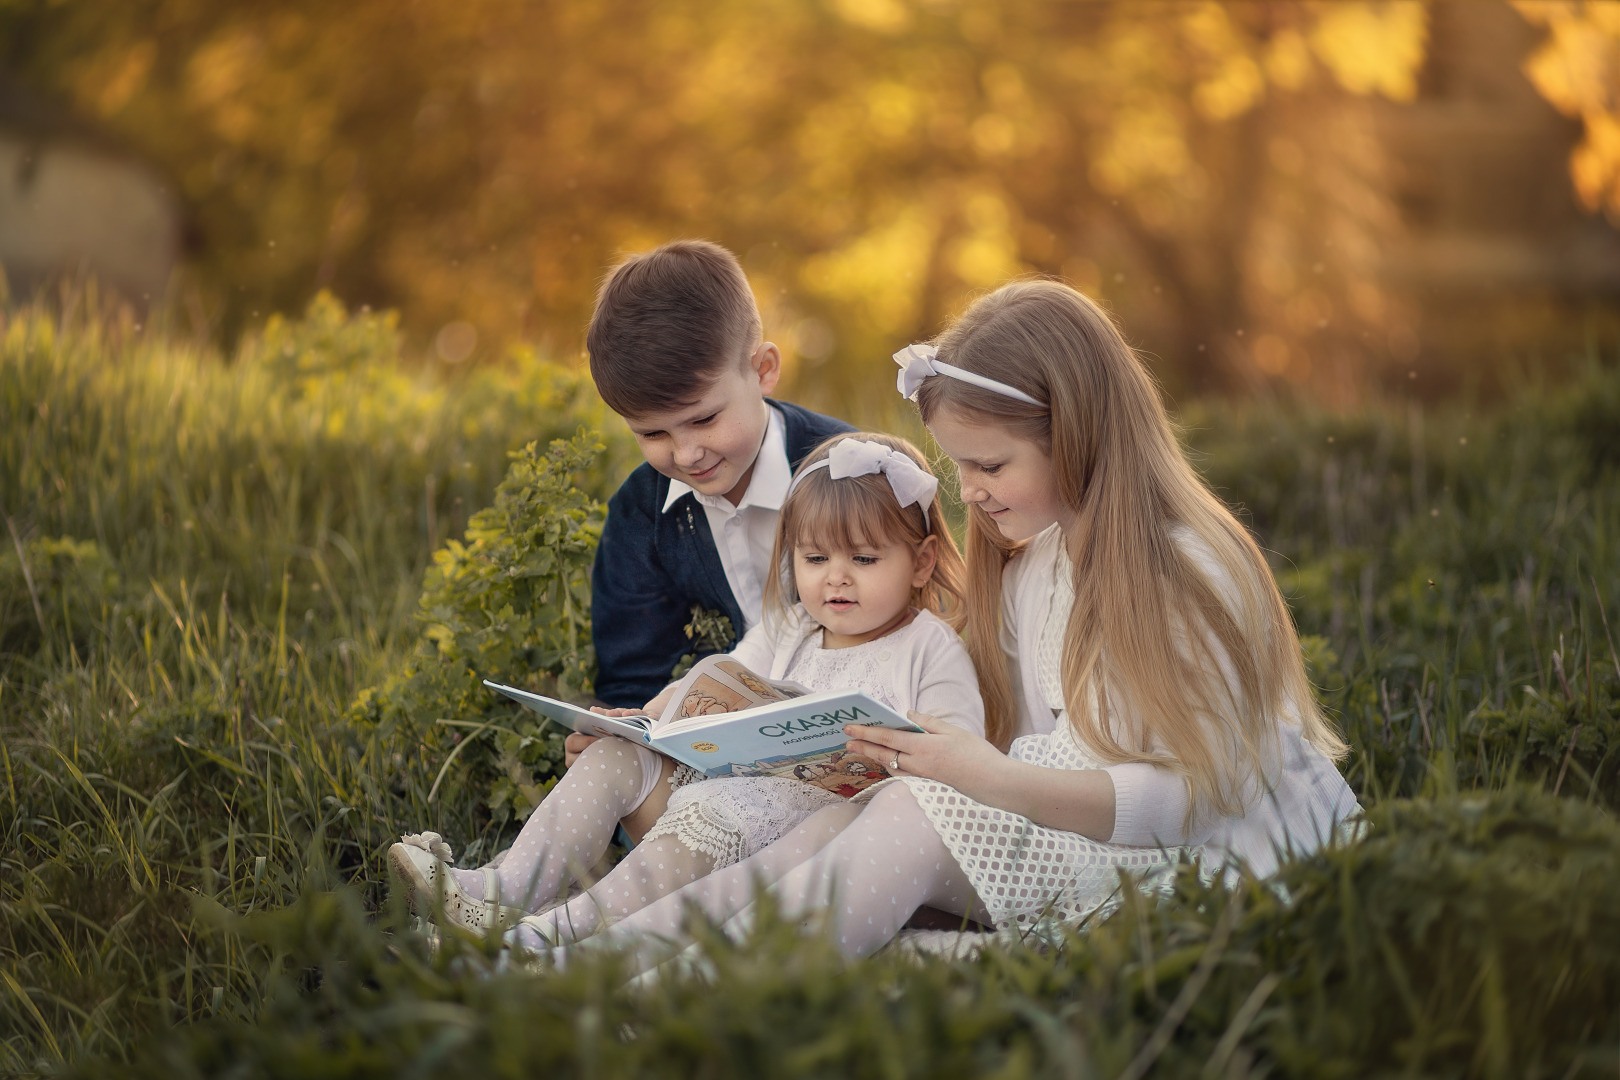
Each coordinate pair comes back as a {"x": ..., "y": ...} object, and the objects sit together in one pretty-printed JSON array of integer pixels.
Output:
[{"x": 946, "y": 686}]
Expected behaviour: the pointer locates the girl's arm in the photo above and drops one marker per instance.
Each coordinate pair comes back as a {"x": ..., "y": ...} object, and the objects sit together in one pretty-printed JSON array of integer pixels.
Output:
[{"x": 1074, "y": 800}]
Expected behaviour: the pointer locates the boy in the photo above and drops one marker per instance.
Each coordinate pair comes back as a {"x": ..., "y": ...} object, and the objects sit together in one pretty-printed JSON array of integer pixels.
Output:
[
  {"x": 675, "y": 346},
  {"x": 676, "y": 349}
]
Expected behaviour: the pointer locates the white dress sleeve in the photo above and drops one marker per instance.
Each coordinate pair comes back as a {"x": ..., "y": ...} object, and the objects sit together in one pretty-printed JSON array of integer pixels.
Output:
[
  {"x": 1150, "y": 805},
  {"x": 755, "y": 651},
  {"x": 946, "y": 687}
]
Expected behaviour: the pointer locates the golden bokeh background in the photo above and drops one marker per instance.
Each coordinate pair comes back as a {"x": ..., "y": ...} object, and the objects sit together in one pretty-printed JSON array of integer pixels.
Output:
[{"x": 1334, "y": 198}]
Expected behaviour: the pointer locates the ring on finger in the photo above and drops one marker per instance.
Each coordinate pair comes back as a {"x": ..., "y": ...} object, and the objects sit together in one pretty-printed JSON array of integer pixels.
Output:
[{"x": 894, "y": 766}]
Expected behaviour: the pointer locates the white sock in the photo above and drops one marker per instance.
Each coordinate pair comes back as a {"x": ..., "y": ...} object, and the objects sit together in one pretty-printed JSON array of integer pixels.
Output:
[
  {"x": 873, "y": 877},
  {"x": 719, "y": 895},
  {"x": 569, "y": 832}
]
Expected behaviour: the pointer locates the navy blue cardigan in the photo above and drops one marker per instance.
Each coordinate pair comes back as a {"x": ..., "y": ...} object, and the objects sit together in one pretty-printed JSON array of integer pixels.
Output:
[{"x": 651, "y": 567}]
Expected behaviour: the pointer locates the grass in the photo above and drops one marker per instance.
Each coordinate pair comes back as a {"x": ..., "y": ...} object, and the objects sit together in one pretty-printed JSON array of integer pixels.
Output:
[{"x": 223, "y": 553}]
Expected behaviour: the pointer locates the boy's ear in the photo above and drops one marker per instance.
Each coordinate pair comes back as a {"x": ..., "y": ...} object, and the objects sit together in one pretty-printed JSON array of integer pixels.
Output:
[
  {"x": 766, "y": 364},
  {"x": 927, "y": 559}
]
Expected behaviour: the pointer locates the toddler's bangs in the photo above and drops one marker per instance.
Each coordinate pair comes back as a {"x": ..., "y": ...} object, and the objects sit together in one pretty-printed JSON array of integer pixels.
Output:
[{"x": 847, "y": 514}]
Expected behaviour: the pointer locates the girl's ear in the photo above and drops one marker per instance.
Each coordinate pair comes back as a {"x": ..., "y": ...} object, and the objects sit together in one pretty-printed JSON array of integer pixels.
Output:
[{"x": 926, "y": 559}]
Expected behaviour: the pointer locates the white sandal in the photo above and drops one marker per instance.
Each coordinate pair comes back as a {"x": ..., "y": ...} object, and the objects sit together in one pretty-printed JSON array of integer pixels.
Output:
[{"x": 419, "y": 860}]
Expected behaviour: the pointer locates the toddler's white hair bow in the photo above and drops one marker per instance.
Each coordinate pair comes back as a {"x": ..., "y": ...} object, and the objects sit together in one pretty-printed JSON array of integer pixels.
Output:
[
  {"x": 917, "y": 362},
  {"x": 857, "y": 457}
]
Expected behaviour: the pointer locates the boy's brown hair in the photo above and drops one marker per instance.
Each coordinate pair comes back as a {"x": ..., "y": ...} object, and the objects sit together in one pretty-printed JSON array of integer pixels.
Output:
[{"x": 668, "y": 321}]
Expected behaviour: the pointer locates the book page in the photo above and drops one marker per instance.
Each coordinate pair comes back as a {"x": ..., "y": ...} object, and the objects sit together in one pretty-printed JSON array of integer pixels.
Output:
[
  {"x": 764, "y": 689},
  {"x": 708, "y": 696},
  {"x": 835, "y": 770},
  {"x": 718, "y": 684}
]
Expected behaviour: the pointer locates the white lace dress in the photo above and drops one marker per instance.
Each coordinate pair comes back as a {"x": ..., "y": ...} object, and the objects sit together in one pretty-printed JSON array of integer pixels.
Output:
[{"x": 730, "y": 818}]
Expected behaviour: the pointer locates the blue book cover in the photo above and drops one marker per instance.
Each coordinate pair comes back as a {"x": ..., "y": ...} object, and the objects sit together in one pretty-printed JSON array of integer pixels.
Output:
[
  {"x": 801, "y": 737},
  {"x": 724, "y": 720}
]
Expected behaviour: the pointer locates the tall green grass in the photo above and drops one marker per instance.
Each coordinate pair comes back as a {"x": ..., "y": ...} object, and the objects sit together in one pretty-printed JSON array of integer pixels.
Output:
[
  {"x": 220, "y": 554},
  {"x": 1457, "y": 571},
  {"x": 224, "y": 553}
]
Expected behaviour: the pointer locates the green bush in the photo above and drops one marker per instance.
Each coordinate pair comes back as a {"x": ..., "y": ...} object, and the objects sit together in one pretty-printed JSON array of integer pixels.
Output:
[
  {"x": 1426, "y": 949},
  {"x": 511, "y": 604},
  {"x": 327, "y": 342}
]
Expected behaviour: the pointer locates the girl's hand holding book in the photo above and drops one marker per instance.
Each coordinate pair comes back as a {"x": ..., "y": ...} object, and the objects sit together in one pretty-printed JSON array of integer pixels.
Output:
[
  {"x": 1075, "y": 800},
  {"x": 575, "y": 744},
  {"x": 946, "y": 753}
]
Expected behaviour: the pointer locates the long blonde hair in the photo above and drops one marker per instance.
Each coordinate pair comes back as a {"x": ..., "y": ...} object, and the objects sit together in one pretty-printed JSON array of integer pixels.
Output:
[
  {"x": 847, "y": 513},
  {"x": 1145, "y": 615}
]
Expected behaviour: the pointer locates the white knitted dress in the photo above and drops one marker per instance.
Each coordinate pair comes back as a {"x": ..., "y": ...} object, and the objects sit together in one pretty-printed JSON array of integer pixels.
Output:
[{"x": 1025, "y": 873}]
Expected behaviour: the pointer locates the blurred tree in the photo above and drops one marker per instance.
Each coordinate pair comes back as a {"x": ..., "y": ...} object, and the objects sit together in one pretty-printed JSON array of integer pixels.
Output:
[
  {"x": 1578, "y": 70},
  {"x": 1206, "y": 168}
]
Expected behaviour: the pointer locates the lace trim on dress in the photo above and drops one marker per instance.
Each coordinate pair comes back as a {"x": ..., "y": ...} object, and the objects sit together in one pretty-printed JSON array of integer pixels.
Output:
[
  {"x": 691, "y": 826},
  {"x": 731, "y": 818},
  {"x": 683, "y": 775}
]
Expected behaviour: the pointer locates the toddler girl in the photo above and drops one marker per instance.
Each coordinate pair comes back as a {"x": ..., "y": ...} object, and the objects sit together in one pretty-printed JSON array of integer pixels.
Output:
[{"x": 867, "y": 567}]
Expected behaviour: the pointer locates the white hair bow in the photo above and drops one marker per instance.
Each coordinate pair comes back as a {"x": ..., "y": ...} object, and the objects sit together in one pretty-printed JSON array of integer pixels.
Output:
[
  {"x": 856, "y": 457},
  {"x": 917, "y": 362}
]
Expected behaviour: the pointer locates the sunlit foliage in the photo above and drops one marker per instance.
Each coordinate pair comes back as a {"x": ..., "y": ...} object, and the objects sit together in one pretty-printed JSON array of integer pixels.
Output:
[
  {"x": 1208, "y": 167},
  {"x": 1578, "y": 70}
]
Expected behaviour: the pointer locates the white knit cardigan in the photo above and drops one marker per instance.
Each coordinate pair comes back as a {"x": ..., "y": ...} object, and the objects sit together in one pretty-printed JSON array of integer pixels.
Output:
[{"x": 1302, "y": 800}]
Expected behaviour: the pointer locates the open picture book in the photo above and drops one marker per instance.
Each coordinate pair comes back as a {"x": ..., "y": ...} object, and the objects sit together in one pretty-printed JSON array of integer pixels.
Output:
[{"x": 725, "y": 720}]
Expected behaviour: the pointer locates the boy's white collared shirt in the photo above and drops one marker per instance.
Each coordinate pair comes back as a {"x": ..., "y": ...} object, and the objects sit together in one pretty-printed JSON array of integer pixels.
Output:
[{"x": 744, "y": 534}]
